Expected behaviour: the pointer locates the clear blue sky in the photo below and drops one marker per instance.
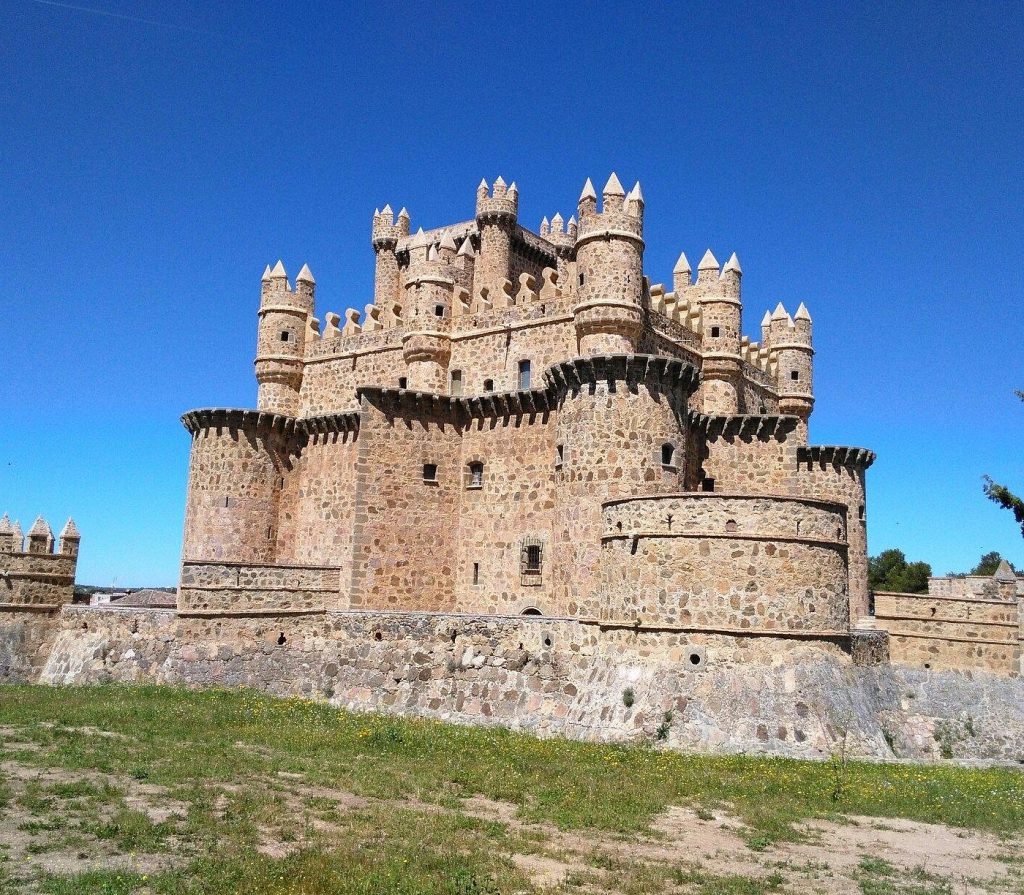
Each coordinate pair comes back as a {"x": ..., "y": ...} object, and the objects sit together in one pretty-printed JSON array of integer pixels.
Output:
[{"x": 155, "y": 157}]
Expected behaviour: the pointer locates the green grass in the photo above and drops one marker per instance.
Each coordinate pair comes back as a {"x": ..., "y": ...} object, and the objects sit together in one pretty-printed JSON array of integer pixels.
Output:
[
  {"x": 229, "y": 758},
  {"x": 188, "y": 737}
]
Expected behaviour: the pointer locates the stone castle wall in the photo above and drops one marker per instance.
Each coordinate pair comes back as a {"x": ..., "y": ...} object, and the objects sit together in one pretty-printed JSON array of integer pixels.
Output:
[{"x": 726, "y": 694}]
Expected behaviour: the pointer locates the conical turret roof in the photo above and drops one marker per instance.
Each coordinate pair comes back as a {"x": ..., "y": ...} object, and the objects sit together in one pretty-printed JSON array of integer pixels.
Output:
[
  {"x": 682, "y": 265},
  {"x": 305, "y": 275},
  {"x": 40, "y": 527},
  {"x": 708, "y": 262},
  {"x": 613, "y": 187},
  {"x": 70, "y": 530},
  {"x": 588, "y": 191}
]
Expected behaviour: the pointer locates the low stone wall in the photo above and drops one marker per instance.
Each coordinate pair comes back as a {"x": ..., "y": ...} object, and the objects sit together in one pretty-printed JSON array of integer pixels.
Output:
[
  {"x": 953, "y": 631},
  {"x": 547, "y": 676},
  {"x": 212, "y": 588}
]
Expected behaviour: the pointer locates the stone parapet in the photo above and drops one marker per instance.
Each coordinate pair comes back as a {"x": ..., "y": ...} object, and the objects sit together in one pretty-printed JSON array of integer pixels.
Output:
[{"x": 210, "y": 588}]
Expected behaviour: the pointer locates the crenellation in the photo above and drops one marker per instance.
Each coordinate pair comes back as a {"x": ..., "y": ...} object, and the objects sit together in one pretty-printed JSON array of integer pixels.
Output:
[{"x": 34, "y": 577}]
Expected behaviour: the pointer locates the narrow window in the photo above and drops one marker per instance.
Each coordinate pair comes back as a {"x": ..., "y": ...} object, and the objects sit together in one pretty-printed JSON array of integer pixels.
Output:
[
  {"x": 475, "y": 478},
  {"x": 533, "y": 558},
  {"x": 476, "y": 573},
  {"x": 581, "y": 279},
  {"x": 403, "y": 382},
  {"x": 269, "y": 530},
  {"x": 524, "y": 374},
  {"x": 860, "y": 512},
  {"x": 285, "y": 336},
  {"x": 707, "y": 485},
  {"x": 439, "y": 310},
  {"x": 794, "y": 375},
  {"x": 488, "y": 385},
  {"x": 456, "y": 383},
  {"x": 716, "y": 331},
  {"x": 559, "y": 455},
  {"x": 668, "y": 453},
  {"x": 430, "y": 472}
]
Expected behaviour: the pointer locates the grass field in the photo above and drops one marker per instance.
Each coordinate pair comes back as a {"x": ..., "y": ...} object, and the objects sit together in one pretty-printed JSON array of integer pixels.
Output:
[{"x": 159, "y": 790}]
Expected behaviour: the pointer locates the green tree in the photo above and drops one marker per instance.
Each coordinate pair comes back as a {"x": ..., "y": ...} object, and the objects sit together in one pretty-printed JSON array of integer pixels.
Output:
[
  {"x": 890, "y": 571},
  {"x": 1003, "y": 496},
  {"x": 988, "y": 564}
]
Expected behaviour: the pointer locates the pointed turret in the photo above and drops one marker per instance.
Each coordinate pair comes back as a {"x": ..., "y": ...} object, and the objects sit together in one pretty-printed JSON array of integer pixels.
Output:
[
  {"x": 305, "y": 276},
  {"x": 613, "y": 195},
  {"x": 802, "y": 313},
  {"x": 572, "y": 228},
  {"x": 266, "y": 274},
  {"x": 446, "y": 247},
  {"x": 557, "y": 223},
  {"x": 766, "y": 328},
  {"x": 1005, "y": 572},
  {"x": 278, "y": 273},
  {"x": 545, "y": 226},
  {"x": 733, "y": 265},
  {"x": 482, "y": 188},
  {"x": 70, "y": 538},
  {"x": 500, "y": 188},
  {"x": 388, "y": 213},
  {"x": 587, "y": 204},
  {"x": 681, "y": 275},
  {"x": 40, "y": 537},
  {"x": 7, "y": 535},
  {"x": 513, "y": 191},
  {"x": 613, "y": 187},
  {"x": 635, "y": 200},
  {"x": 466, "y": 249}
]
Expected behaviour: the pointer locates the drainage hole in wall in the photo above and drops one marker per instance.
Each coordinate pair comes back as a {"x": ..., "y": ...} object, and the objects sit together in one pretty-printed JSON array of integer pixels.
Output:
[
  {"x": 547, "y": 641},
  {"x": 927, "y": 664},
  {"x": 377, "y": 635},
  {"x": 695, "y": 659},
  {"x": 281, "y": 639}
]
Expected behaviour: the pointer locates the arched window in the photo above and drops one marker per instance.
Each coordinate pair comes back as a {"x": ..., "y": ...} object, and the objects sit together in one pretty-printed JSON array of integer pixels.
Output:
[{"x": 531, "y": 610}]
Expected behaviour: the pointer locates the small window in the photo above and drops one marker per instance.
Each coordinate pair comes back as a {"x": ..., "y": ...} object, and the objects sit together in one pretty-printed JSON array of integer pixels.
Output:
[
  {"x": 730, "y": 525},
  {"x": 285, "y": 336},
  {"x": 860, "y": 512},
  {"x": 531, "y": 610},
  {"x": 531, "y": 562},
  {"x": 524, "y": 374},
  {"x": 476, "y": 573},
  {"x": 668, "y": 454},
  {"x": 403, "y": 382},
  {"x": 439, "y": 310},
  {"x": 533, "y": 558},
  {"x": 707, "y": 485},
  {"x": 581, "y": 279},
  {"x": 430, "y": 472},
  {"x": 475, "y": 475},
  {"x": 488, "y": 385},
  {"x": 794, "y": 375},
  {"x": 716, "y": 331},
  {"x": 456, "y": 383},
  {"x": 559, "y": 454}
]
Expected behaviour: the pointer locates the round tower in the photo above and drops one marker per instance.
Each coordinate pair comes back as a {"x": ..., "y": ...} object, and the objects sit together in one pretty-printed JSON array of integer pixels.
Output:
[
  {"x": 429, "y": 291},
  {"x": 718, "y": 295},
  {"x": 621, "y": 431},
  {"x": 497, "y": 214},
  {"x": 236, "y": 473},
  {"x": 281, "y": 343},
  {"x": 609, "y": 268},
  {"x": 384, "y": 237},
  {"x": 792, "y": 351}
]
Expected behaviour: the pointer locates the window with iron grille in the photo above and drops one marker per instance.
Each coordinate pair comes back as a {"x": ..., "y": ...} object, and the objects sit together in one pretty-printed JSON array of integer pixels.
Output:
[{"x": 531, "y": 561}]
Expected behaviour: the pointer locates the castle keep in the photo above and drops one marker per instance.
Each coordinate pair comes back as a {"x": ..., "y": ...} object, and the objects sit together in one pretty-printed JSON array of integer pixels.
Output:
[{"x": 522, "y": 423}]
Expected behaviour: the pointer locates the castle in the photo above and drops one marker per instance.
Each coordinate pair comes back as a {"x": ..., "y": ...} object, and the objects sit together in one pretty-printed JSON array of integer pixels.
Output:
[
  {"x": 524, "y": 483},
  {"x": 521, "y": 423}
]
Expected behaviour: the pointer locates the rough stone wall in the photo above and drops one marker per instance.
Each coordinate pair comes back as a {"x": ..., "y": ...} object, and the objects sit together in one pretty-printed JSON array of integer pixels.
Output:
[
  {"x": 958, "y": 630},
  {"x": 237, "y": 589},
  {"x": 320, "y": 508},
  {"x": 38, "y": 580},
  {"x": 551, "y": 677},
  {"x": 614, "y": 416},
  {"x": 744, "y": 456},
  {"x": 404, "y": 554},
  {"x": 237, "y": 471},
  {"x": 516, "y": 502},
  {"x": 724, "y": 563}
]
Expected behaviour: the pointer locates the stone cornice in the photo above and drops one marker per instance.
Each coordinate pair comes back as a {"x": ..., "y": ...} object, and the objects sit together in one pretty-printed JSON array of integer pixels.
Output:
[
  {"x": 754, "y": 425},
  {"x": 222, "y": 417},
  {"x": 836, "y": 455}
]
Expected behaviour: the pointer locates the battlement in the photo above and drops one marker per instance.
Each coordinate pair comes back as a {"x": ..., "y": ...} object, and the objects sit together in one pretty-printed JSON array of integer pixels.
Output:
[
  {"x": 499, "y": 202},
  {"x": 33, "y": 575},
  {"x": 620, "y": 215},
  {"x": 386, "y": 231}
]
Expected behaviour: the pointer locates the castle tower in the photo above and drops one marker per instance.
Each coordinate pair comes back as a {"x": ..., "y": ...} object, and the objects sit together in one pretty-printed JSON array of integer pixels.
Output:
[
  {"x": 791, "y": 349},
  {"x": 496, "y": 217},
  {"x": 609, "y": 267},
  {"x": 70, "y": 539},
  {"x": 385, "y": 234},
  {"x": 429, "y": 290},
  {"x": 281, "y": 343},
  {"x": 718, "y": 295},
  {"x": 40, "y": 537}
]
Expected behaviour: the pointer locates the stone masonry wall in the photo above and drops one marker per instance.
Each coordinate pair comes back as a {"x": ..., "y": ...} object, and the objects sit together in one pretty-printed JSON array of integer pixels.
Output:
[
  {"x": 720, "y": 563},
  {"x": 546, "y": 676}
]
